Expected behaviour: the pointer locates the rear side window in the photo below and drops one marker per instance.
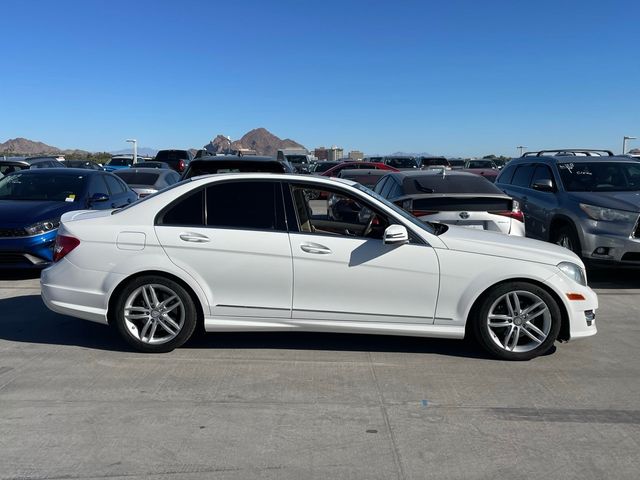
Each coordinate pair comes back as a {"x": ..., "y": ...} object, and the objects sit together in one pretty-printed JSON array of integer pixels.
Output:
[
  {"x": 251, "y": 205},
  {"x": 522, "y": 177},
  {"x": 381, "y": 184},
  {"x": 187, "y": 211},
  {"x": 115, "y": 186}
]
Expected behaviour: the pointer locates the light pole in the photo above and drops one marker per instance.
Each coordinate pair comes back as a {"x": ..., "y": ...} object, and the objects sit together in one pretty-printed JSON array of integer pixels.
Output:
[
  {"x": 624, "y": 143},
  {"x": 229, "y": 148},
  {"x": 135, "y": 149},
  {"x": 520, "y": 149}
]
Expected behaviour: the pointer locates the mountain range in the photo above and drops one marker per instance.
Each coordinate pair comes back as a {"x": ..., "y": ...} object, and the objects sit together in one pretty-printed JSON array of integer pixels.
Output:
[{"x": 258, "y": 139}]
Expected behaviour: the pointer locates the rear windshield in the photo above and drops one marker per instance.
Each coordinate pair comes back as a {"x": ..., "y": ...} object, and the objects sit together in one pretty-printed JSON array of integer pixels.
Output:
[
  {"x": 603, "y": 176},
  {"x": 52, "y": 187},
  {"x": 401, "y": 162},
  {"x": 323, "y": 167},
  {"x": 297, "y": 158},
  {"x": 172, "y": 155},
  {"x": 480, "y": 164},
  {"x": 120, "y": 162},
  {"x": 435, "y": 161},
  {"x": 449, "y": 184},
  {"x": 138, "y": 178}
]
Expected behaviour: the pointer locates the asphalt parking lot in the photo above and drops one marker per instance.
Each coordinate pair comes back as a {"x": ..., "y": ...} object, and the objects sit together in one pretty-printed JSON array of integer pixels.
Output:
[{"x": 77, "y": 403}]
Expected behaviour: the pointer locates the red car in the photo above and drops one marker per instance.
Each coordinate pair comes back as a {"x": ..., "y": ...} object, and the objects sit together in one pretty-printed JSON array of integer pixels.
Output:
[{"x": 334, "y": 171}]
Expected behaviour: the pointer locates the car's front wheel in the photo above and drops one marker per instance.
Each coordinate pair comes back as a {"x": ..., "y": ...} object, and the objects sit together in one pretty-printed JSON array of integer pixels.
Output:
[
  {"x": 517, "y": 321},
  {"x": 155, "y": 314}
]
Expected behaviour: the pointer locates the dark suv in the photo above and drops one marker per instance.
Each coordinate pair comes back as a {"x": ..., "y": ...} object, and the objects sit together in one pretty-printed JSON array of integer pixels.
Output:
[
  {"x": 178, "y": 160},
  {"x": 585, "y": 200}
]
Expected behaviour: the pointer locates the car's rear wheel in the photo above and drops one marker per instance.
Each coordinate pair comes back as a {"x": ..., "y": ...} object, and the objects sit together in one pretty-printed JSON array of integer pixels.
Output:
[
  {"x": 517, "y": 321},
  {"x": 155, "y": 314},
  {"x": 566, "y": 237}
]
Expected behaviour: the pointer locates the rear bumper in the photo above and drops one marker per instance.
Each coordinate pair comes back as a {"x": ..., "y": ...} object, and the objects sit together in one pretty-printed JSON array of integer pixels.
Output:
[
  {"x": 84, "y": 293},
  {"x": 33, "y": 252}
]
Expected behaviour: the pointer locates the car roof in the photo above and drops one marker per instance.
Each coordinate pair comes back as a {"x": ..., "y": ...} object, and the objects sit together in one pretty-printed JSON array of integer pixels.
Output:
[
  {"x": 275, "y": 176},
  {"x": 554, "y": 160},
  {"x": 436, "y": 172},
  {"x": 143, "y": 170},
  {"x": 244, "y": 158}
]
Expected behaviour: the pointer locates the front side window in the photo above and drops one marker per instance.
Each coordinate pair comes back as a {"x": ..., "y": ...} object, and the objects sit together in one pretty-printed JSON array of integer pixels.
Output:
[
  {"x": 329, "y": 212},
  {"x": 542, "y": 172},
  {"x": 251, "y": 205}
]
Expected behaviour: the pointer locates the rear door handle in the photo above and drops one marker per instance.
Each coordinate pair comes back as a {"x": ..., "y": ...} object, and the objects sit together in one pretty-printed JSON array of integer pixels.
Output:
[
  {"x": 194, "y": 237},
  {"x": 315, "y": 248}
]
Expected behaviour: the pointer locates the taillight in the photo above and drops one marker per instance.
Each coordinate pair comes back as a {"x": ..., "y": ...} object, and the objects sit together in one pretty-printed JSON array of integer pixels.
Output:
[
  {"x": 514, "y": 213},
  {"x": 181, "y": 166},
  {"x": 64, "y": 245},
  {"x": 422, "y": 213}
]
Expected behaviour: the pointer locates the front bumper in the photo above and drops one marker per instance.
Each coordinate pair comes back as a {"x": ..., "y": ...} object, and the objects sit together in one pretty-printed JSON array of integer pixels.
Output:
[
  {"x": 33, "y": 252},
  {"x": 581, "y": 313},
  {"x": 620, "y": 249}
]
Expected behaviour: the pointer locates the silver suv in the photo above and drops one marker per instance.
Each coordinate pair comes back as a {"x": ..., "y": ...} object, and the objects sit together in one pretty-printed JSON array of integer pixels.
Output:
[{"x": 585, "y": 200}]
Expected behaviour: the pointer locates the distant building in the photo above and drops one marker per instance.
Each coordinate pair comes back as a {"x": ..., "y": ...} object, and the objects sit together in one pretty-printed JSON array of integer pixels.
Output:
[
  {"x": 356, "y": 155},
  {"x": 320, "y": 153},
  {"x": 334, "y": 153}
]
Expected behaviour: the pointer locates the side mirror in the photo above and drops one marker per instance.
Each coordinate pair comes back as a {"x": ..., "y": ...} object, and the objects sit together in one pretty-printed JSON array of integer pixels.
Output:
[
  {"x": 544, "y": 185},
  {"x": 395, "y": 235},
  {"x": 98, "y": 197}
]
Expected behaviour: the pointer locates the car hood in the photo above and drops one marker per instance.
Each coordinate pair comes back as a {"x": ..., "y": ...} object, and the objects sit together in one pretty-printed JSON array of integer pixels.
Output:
[
  {"x": 618, "y": 200},
  {"x": 507, "y": 246},
  {"x": 20, "y": 213}
]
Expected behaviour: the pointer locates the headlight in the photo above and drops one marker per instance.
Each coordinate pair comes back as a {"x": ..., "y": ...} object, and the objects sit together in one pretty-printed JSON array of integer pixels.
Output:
[
  {"x": 608, "y": 214},
  {"x": 574, "y": 272},
  {"x": 43, "y": 226}
]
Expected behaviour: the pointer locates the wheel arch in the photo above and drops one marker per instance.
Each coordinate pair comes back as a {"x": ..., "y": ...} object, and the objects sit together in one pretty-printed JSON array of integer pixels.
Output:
[
  {"x": 560, "y": 220},
  {"x": 565, "y": 326},
  {"x": 160, "y": 273}
]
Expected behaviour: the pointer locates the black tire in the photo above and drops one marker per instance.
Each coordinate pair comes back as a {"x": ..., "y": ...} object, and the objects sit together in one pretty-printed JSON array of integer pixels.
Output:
[
  {"x": 189, "y": 322},
  {"x": 567, "y": 233},
  {"x": 487, "y": 338}
]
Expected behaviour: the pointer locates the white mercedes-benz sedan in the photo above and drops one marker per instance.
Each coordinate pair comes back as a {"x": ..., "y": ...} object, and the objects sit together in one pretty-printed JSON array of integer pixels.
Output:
[{"x": 264, "y": 252}]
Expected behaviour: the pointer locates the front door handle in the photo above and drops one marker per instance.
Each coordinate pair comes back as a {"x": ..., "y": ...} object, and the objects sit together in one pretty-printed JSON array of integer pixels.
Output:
[
  {"x": 315, "y": 248},
  {"x": 194, "y": 237}
]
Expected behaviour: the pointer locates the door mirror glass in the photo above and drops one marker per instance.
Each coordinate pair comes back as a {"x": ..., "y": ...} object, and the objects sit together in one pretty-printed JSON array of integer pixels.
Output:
[
  {"x": 395, "y": 234},
  {"x": 543, "y": 185}
]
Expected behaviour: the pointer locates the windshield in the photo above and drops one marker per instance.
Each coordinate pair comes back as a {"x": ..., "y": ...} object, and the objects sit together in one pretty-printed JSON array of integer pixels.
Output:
[
  {"x": 401, "y": 162},
  {"x": 120, "y": 162},
  {"x": 297, "y": 158},
  {"x": 600, "y": 176},
  {"x": 427, "y": 226},
  {"x": 51, "y": 187}
]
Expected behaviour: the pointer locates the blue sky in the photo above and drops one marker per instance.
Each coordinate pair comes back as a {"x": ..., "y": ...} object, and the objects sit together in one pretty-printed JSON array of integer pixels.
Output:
[{"x": 453, "y": 78}]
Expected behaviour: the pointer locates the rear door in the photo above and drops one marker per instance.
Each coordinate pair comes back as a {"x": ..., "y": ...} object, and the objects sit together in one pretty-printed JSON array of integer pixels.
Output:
[{"x": 231, "y": 237}]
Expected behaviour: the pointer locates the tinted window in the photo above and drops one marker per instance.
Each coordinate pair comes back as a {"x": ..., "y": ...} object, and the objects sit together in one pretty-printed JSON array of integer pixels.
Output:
[
  {"x": 7, "y": 169},
  {"x": 542, "y": 172},
  {"x": 507, "y": 174},
  {"x": 603, "y": 176},
  {"x": 188, "y": 210},
  {"x": 138, "y": 178},
  {"x": 30, "y": 185},
  {"x": 452, "y": 183},
  {"x": 522, "y": 177},
  {"x": 114, "y": 185},
  {"x": 401, "y": 162},
  {"x": 386, "y": 189},
  {"x": 120, "y": 162},
  {"x": 243, "y": 205},
  {"x": 98, "y": 185},
  {"x": 172, "y": 155},
  {"x": 380, "y": 185}
]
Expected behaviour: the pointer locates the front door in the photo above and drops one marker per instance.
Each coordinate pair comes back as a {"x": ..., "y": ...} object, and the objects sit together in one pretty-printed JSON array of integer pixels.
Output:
[
  {"x": 231, "y": 237},
  {"x": 343, "y": 270}
]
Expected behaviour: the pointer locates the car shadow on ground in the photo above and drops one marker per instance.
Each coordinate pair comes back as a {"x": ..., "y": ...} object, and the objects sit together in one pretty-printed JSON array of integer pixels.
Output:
[
  {"x": 26, "y": 319},
  {"x": 11, "y": 274}
]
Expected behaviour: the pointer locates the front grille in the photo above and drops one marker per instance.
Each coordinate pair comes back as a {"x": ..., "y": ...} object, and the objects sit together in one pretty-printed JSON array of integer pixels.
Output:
[
  {"x": 631, "y": 257},
  {"x": 13, "y": 232}
]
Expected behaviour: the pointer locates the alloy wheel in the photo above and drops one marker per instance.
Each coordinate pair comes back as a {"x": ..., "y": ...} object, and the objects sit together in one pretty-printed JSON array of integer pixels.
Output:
[
  {"x": 519, "y": 321},
  {"x": 154, "y": 314}
]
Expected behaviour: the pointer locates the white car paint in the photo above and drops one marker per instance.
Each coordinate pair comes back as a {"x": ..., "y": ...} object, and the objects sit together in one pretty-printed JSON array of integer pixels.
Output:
[{"x": 246, "y": 280}]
